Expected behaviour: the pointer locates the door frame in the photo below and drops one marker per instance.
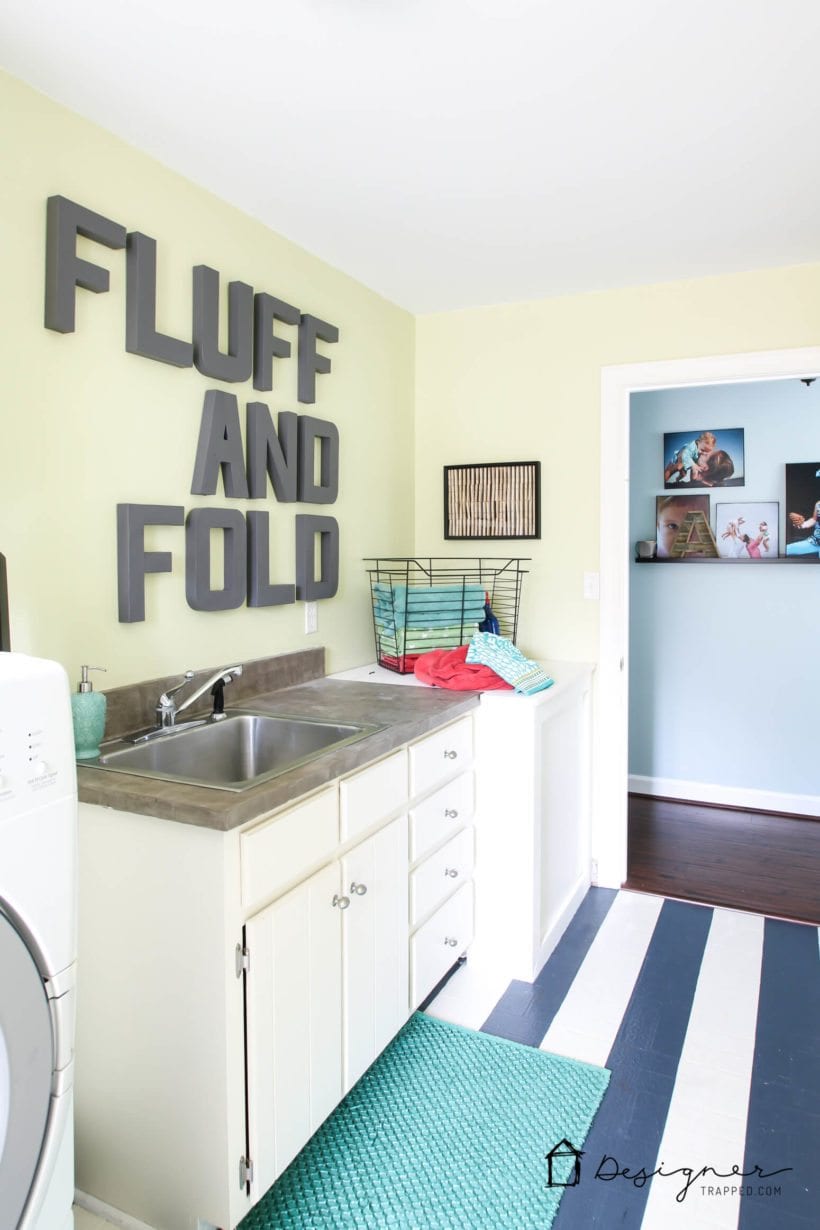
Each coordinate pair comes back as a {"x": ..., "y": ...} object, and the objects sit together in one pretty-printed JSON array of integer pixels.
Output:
[{"x": 610, "y": 737}]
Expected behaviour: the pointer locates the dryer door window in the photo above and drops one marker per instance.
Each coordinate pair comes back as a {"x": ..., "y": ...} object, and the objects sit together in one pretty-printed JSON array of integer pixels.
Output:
[{"x": 26, "y": 1063}]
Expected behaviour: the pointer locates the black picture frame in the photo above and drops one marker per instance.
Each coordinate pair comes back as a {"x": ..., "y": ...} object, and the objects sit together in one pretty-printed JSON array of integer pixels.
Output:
[{"x": 492, "y": 500}]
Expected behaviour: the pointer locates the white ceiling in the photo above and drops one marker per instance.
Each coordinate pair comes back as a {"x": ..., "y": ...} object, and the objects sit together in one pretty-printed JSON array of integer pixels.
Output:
[{"x": 460, "y": 152}]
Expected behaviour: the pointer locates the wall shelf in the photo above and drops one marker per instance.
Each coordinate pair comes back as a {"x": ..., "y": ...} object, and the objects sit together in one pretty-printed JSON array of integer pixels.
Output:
[{"x": 716, "y": 559}]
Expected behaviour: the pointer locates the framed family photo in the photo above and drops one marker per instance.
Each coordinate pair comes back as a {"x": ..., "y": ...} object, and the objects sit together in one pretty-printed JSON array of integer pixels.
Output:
[
  {"x": 707, "y": 458},
  {"x": 747, "y": 530},
  {"x": 803, "y": 508},
  {"x": 676, "y": 529}
]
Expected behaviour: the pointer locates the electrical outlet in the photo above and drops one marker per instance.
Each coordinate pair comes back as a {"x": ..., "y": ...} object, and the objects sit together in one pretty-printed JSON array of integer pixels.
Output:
[
  {"x": 311, "y": 617},
  {"x": 593, "y": 871}
]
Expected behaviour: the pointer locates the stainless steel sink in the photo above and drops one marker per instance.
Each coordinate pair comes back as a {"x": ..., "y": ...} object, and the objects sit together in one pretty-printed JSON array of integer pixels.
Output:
[{"x": 238, "y": 752}]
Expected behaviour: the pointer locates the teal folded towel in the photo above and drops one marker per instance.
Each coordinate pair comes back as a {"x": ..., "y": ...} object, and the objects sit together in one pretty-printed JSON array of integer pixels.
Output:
[
  {"x": 453, "y": 601},
  {"x": 499, "y": 653}
]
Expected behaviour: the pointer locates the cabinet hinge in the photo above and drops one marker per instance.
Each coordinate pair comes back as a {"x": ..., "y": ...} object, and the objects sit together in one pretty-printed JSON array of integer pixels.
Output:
[
  {"x": 243, "y": 960},
  {"x": 245, "y": 1171}
]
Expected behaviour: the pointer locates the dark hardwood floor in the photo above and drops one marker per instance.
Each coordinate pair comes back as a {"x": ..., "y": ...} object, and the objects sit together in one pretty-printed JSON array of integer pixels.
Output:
[{"x": 720, "y": 856}]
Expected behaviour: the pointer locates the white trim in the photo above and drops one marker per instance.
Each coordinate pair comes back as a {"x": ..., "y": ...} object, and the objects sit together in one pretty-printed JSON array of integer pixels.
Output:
[
  {"x": 108, "y": 1213},
  {"x": 727, "y": 796},
  {"x": 610, "y": 773}
]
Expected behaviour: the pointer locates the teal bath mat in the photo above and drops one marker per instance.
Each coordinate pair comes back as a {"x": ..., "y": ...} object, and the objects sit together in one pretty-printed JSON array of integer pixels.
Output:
[{"x": 448, "y": 1130}]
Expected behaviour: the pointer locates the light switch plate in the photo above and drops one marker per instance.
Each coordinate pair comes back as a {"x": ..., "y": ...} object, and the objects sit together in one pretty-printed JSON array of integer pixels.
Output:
[
  {"x": 311, "y": 617},
  {"x": 592, "y": 585}
]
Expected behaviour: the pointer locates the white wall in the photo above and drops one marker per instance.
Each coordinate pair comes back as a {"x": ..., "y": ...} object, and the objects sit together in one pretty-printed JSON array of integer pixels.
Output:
[{"x": 724, "y": 674}]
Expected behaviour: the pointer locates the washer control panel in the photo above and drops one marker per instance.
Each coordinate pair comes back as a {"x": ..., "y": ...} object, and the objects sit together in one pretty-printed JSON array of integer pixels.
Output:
[{"x": 36, "y": 739}]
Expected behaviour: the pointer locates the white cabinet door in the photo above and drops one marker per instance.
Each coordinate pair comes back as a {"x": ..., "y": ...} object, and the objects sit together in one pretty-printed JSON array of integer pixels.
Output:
[
  {"x": 294, "y": 1022},
  {"x": 375, "y": 933}
]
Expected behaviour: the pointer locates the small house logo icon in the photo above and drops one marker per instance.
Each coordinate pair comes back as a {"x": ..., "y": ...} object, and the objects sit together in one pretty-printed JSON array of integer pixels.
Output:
[{"x": 560, "y": 1173}]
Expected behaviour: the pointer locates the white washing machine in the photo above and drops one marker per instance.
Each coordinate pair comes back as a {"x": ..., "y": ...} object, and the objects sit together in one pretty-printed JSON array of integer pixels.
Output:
[{"x": 38, "y": 944}]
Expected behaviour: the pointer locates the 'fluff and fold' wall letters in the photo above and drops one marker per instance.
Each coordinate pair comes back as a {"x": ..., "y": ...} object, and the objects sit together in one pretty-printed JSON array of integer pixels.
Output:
[{"x": 285, "y": 454}]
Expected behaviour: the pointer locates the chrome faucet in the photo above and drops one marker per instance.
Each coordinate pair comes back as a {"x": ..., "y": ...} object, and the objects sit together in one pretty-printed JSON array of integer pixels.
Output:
[{"x": 168, "y": 710}]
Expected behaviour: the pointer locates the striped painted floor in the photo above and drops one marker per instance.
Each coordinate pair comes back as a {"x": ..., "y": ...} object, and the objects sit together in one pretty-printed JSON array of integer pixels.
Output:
[{"x": 709, "y": 1021}]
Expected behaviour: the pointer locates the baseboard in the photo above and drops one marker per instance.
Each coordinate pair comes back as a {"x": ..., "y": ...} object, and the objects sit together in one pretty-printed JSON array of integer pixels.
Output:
[
  {"x": 108, "y": 1213},
  {"x": 726, "y": 796}
]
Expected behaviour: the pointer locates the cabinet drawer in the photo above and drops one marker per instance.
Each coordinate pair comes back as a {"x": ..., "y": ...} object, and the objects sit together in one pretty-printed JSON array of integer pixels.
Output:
[
  {"x": 438, "y": 875},
  {"x": 439, "y": 755},
  {"x": 286, "y": 847},
  {"x": 440, "y": 942},
  {"x": 369, "y": 796},
  {"x": 441, "y": 814}
]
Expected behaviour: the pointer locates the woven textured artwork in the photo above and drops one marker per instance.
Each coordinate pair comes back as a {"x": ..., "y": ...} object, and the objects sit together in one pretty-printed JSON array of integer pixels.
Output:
[{"x": 448, "y": 1130}]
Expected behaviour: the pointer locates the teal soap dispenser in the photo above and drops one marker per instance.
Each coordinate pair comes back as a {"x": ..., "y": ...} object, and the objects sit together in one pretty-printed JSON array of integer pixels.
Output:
[{"x": 88, "y": 716}]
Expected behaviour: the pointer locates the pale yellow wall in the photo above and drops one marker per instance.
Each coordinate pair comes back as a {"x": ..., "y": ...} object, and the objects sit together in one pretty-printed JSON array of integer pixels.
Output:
[
  {"x": 86, "y": 425},
  {"x": 522, "y": 382}
]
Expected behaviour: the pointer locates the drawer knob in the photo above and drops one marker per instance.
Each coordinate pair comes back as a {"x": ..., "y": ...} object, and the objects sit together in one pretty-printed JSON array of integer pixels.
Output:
[
  {"x": 358, "y": 889},
  {"x": 451, "y": 943},
  {"x": 451, "y": 872},
  {"x": 451, "y": 755},
  {"x": 341, "y": 902},
  {"x": 451, "y": 813}
]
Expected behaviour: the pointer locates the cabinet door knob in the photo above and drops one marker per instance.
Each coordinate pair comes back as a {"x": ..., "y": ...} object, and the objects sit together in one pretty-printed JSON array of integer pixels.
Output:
[
  {"x": 358, "y": 889},
  {"x": 451, "y": 813},
  {"x": 451, "y": 943},
  {"x": 451, "y": 872},
  {"x": 451, "y": 755},
  {"x": 341, "y": 902}
]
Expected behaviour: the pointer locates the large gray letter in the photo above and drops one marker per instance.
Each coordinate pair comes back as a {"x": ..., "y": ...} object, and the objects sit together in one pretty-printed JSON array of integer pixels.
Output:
[
  {"x": 266, "y": 344},
  {"x": 64, "y": 268},
  {"x": 141, "y": 336},
  {"x": 236, "y": 365},
  {"x": 307, "y": 527},
  {"x": 260, "y": 590},
  {"x": 272, "y": 451},
  {"x": 310, "y": 362},
  {"x": 220, "y": 445},
  {"x": 327, "y": 489},
  {"x": 198, "y": 528},
  {"x": 133, "y": 561}
]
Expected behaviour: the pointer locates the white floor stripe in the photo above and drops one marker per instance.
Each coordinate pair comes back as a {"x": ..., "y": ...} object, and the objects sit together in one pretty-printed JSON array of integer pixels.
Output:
[
  {"x": 706, "y": 1123},
  {"x": 588, "y": 1020},
  {"x": 470, "y": 996}
]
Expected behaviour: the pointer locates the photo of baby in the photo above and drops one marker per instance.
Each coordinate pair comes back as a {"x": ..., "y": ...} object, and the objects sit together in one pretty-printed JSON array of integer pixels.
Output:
[
  {"x": 703, "y": 458},
  {"x": 803, "y": 508},
  {"x": 748, "y": 530},
  {"x": 670, "y": 511}
]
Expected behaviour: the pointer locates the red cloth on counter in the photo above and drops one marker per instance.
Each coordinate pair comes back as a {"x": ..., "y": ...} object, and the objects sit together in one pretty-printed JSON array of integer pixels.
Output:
[{"x": 447, "y": 668}]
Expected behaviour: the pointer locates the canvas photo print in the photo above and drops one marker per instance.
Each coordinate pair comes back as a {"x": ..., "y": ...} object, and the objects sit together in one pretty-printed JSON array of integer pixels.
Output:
[
  {"x": 708, "y": 458},
  {"x": 672, "y": 525},
  {"x": 747, "y": 530},
  {"x": 803, "y": 508}
]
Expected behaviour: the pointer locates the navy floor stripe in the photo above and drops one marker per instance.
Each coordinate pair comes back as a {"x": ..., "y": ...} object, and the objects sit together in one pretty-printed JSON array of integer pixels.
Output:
[
  {"x": 784, "y": 1103},
  {"x": 643, "y": 1061},
  {"x": 525, "y": 1011}
]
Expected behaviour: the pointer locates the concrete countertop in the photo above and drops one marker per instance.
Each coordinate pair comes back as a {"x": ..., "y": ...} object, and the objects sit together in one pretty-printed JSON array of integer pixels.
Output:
[{"x": 404, "y": 713}]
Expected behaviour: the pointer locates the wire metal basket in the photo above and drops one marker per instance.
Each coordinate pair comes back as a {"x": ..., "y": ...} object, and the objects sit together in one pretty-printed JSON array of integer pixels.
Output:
[{"x": 438, "y": 602}]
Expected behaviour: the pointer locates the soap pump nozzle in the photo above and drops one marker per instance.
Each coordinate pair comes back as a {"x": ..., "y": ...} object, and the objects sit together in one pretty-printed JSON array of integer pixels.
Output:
[{"x": 85, "y": 684}]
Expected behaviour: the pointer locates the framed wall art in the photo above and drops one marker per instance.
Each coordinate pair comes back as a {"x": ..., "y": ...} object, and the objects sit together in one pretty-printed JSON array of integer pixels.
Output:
[
  {"x": 803, "y": 508},
  {"x": 707, "y": 458},
  {"x": 493, "y": 500},
  {"x": 747, "y": 530}
]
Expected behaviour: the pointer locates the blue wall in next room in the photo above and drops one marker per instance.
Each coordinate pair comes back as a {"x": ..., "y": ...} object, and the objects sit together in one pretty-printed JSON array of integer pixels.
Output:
[{"x": 724, "y": 668}]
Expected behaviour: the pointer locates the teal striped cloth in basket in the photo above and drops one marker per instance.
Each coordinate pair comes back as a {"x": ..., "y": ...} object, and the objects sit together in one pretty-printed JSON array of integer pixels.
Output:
[{"x": 428, "y": 606}]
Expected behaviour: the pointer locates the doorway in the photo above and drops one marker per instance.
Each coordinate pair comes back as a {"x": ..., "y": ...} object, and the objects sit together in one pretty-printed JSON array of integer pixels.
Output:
[{"x": 610, "y": 780}]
